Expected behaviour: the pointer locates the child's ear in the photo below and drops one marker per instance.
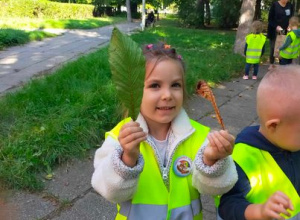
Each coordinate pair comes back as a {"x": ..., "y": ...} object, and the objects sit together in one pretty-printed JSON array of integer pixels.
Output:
[{"x": 272, "y": 124}]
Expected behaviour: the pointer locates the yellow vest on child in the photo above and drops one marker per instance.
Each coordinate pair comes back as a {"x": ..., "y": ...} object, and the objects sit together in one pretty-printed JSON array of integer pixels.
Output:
[
  {"x": 265, "y": 176},
  {"x": 292, "y": 51},
  {"x": 255, "y": 44},
  {"x": 153, "y": 199}
]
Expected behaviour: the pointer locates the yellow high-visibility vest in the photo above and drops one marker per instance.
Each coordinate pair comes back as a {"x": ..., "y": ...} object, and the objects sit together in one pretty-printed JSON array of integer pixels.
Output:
[
  {"x": 292, "y": 51},
  {"x": 265, "y": 176},
  {"x": 153, "y": 199},
  {"x": 255, "y": 44}
]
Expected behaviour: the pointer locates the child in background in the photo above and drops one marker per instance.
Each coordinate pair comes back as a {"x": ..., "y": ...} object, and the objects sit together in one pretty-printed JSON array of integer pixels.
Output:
[
  {"x": 267, "y": 156},
  {"x": 254, "y": 49},
  {"x": 150, "y": 19},
  {"x": 290, "y": 49},
  {"x": 157, "y": 166}
]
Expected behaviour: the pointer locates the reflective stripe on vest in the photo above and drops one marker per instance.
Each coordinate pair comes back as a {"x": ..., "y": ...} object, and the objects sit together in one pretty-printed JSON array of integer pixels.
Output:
[
  {"x": 143, "y": 211},
  {"x": 152, "y": 199},
  {"x": 292, "y": 51},
  {"x": 255, "y": 44},
  {"x": 265, "y": 176},
  {"x": 296, "y": 217}
]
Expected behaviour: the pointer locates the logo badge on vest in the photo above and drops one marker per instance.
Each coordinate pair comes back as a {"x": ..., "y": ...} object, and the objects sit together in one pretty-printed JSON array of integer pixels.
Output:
[{"x": 182, "y": 166}]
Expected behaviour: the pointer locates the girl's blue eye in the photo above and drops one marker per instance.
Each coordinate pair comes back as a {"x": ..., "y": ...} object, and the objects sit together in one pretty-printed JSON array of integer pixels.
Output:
[
  {"x": 176, "y": 85},
  {"x": 154, "y": 85}
]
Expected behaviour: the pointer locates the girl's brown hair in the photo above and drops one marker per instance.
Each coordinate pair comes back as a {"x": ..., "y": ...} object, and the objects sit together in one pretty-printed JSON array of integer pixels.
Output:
[{"x": 155, "y": 53}]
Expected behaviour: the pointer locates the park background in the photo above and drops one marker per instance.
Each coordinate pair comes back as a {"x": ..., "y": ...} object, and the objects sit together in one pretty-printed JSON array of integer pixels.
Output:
[{"x": 56, "y": 118}]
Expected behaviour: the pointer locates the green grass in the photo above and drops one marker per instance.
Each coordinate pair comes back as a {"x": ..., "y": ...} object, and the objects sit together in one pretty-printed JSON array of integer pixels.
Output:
[
  {"x": 30, "y": 23},
  {"x": 63, "y": 115},
  {"x": 11, "y": 37},
  {"x": 17, "y": 31},
  {"x": 54, "y": 119},
  {"x": 208, "y": 54}
]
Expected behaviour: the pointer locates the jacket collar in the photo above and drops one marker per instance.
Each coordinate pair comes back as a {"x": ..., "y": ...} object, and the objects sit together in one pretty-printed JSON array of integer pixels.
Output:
[{"x": 251, "y": 136}]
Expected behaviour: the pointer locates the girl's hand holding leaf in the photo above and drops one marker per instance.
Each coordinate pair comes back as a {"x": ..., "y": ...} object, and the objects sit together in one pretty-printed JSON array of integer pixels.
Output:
[{"x": 130, "y": 137}]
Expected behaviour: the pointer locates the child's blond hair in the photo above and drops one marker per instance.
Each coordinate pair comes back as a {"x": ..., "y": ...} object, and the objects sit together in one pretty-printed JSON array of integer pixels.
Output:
[
  {"x": 256, "y": 27},
  {"x": 294, "y": 21}
]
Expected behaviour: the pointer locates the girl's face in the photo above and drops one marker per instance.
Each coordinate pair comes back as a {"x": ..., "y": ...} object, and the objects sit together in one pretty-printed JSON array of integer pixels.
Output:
[{"x": 163, "y": 92}]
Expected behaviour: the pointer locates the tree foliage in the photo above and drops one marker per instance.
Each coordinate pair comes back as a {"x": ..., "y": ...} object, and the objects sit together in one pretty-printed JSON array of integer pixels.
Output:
[
  {"x": 197, "y": 13},
  {"x": 191, "y": 12},
  {"x": 102, "y": 2},
  {"x": 74, "y": 1},
  {"x": 226, "y": 13}
]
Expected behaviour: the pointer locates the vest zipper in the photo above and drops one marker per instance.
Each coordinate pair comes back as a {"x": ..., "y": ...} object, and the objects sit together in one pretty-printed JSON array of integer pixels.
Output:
[
  {"x": 165, "y": 173},
  {"x": 161, "y": 167},
  {"x": 165, "y": 170}
]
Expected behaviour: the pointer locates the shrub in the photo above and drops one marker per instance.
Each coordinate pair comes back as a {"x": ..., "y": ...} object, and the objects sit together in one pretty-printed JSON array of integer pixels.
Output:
[
  {"x": 44, "y": 9},
  {"x": 226, "y": 13},
  {"x": 136, "y": 15},
  {"x": 187, "y": 12}
]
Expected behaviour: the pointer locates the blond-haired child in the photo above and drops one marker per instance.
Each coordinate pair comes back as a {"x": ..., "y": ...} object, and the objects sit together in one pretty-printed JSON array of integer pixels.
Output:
[
  {"x": 254, "y": 49},
  {"x": 290, "y": 49},
  {"x": 267, "y": 156}
]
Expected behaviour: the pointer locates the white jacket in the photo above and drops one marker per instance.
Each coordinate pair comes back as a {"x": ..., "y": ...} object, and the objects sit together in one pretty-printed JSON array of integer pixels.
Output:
[{"x": 117, "y": 183}]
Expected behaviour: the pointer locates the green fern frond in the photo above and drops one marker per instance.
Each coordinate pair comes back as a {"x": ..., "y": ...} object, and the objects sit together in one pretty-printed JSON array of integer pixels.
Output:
[{"x": 127, "y": 64}]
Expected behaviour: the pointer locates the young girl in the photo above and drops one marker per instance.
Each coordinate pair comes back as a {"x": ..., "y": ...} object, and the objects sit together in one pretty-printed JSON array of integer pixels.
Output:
[
  {"x": 157, "y": 166},
  {"x": 254, "y": 49}
]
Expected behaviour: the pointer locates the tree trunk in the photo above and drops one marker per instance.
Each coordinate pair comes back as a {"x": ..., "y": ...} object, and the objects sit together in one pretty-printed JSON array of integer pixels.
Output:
[
  {"x": 246, "y": 18},
  {"x": 296, "y": 6},
  {"x": 133, "y": 7},
  {"x": 143, "y": 14},
  {"x": 257, "y": 15},
  {"x": 129, "y": 19},
  {"x": 200, "y": 11},
  {"x": 207, "y": 12}
]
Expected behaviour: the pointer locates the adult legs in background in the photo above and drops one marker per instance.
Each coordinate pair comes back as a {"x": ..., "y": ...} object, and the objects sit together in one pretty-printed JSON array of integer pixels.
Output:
[{"x": 272, "y": 46}]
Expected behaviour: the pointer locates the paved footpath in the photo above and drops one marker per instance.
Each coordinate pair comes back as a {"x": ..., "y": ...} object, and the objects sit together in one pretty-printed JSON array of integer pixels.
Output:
[
  {"x": 18, "y": 64},
  {"x": 69, "y": 196}
]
